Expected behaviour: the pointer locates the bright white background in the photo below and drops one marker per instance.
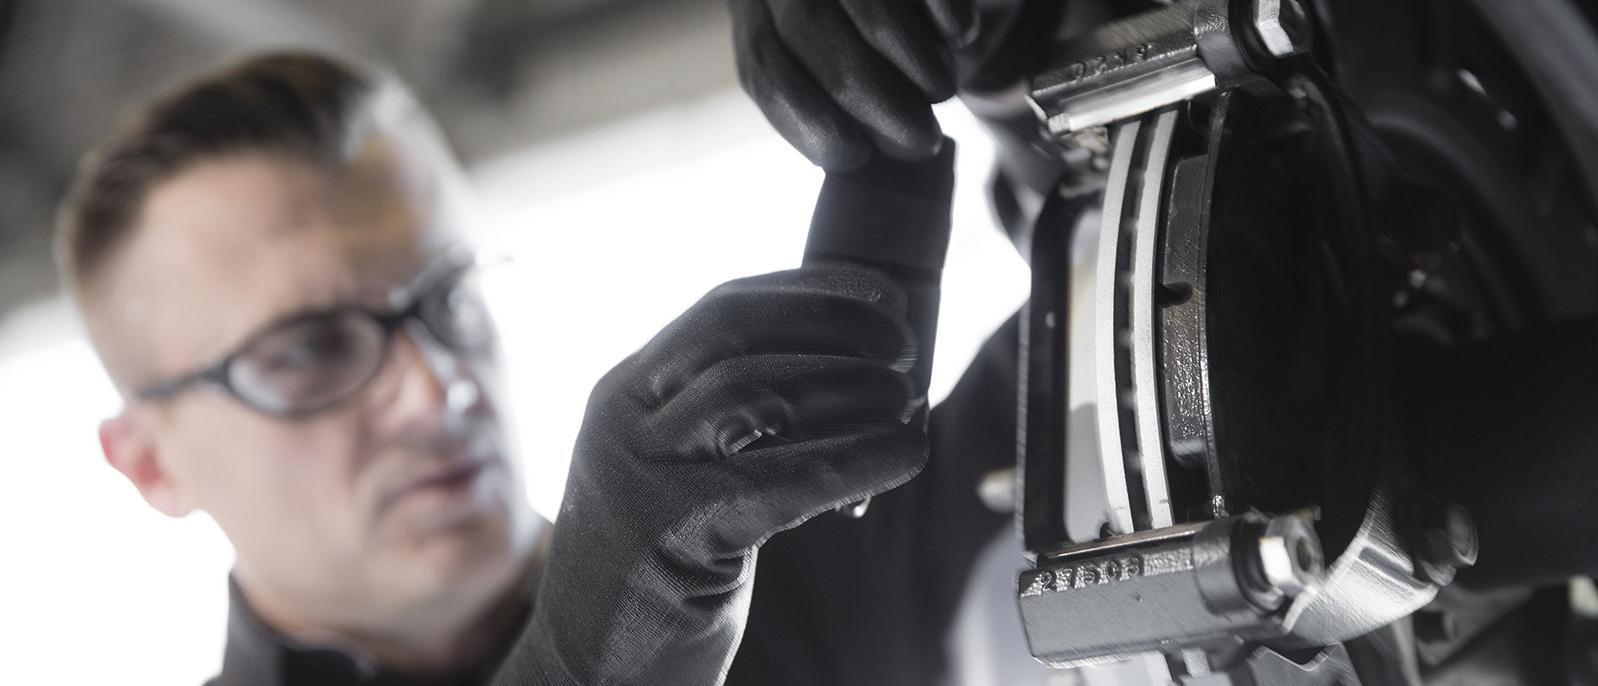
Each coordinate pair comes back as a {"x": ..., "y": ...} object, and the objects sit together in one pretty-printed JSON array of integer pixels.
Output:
[{"x": 614, "y": 233}]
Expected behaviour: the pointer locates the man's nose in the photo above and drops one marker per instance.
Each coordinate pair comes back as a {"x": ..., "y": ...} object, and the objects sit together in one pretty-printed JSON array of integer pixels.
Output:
[{"x": 432, "y": 387}]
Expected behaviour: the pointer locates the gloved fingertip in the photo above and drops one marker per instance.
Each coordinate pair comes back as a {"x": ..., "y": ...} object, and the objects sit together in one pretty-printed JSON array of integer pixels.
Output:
[
  {"x": 919, "y": 150},
  {"x": 840, "y": 157}
]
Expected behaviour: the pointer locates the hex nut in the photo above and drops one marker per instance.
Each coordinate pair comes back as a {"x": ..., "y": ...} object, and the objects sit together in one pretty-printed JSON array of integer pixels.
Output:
[
  {"x": 1282, "y": 26},
  {"x": 1290, "y": 555}
]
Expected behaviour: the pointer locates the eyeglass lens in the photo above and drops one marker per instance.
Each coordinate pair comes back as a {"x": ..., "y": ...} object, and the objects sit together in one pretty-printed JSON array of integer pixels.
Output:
[{"x": 315, "y": 362}]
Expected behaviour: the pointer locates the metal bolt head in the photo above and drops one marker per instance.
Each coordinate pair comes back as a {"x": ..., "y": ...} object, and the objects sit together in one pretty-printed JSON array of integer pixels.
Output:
[
  {"x": 1290, "y": 555},
  {"x": 1283, "y": 26}
]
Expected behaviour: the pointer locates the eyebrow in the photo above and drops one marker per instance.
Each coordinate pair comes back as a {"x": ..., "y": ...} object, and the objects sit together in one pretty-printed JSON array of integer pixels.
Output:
[{"x": 371, "y": 291}]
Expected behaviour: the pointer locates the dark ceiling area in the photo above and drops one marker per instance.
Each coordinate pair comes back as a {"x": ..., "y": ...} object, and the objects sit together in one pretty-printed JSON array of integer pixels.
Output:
[{"x": 499, "y": 75}]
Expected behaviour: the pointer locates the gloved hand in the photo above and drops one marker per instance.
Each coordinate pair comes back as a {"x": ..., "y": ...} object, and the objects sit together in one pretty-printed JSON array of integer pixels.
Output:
[
  {"x": 840, "y": 79},
  {"x": 773, "y": 399}
]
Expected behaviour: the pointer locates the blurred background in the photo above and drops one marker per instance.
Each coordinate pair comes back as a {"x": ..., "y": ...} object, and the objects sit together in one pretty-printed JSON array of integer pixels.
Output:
[{"x": 624, "y": 171}]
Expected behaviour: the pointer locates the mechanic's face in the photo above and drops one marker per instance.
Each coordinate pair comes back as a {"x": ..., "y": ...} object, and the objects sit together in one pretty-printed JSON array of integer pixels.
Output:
[{"x": 388, "y": 502}]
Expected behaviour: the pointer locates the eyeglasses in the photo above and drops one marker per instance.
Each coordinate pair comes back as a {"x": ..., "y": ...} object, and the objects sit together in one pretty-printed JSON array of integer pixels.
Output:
[{"x": 309, "y": 362}]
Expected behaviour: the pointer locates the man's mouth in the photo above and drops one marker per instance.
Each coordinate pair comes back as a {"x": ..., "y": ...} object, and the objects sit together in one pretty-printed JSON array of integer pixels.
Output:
[
  {"x": 451, "y": 484},
  {"x": 453, "y": 477}
]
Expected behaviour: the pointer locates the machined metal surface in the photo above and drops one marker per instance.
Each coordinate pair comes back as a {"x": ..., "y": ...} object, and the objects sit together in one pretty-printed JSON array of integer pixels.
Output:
[
  {"x": 1174, "y": 580},
  {"x": 1145, "y": 361},
  {"x": 1131, "y": 438},
  {"x": 1160, "y": 587},
  {"x": 1140, "y": 538},
  {"x": 1167, "y": 85},
  {"x": 1109, "y": 313},
  {"x": 1372, "y": 583},
  {"x": 1163, "y": 57},
  {"x": 1205, "y": 588},
  {"x": 1283, "y": 26},
  {"x": 1124, "y": 69},
  {"x": 1132, "y": 442},
  {"x": 1265, "y": 667},
  {"x": 1290, "y": 555}
]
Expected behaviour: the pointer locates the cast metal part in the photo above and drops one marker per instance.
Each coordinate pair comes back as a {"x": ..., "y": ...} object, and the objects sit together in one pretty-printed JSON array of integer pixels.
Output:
[
  {"x": 1161, "y": 58},
  {"x": 1290, "y": 555},
  {"x": 1185, "y": 587},
  {"x": 1372, "y": 583},
  {"x": 1265, "y": 667},
  {"x": 1184, "y": 328},
  {"x": 1282, "y": 26},
  {"x": 1194, "y": 587}
]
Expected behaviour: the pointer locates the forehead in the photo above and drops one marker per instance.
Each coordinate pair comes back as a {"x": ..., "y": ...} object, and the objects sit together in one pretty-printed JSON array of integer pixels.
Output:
[{"x": 230, "y": 244}]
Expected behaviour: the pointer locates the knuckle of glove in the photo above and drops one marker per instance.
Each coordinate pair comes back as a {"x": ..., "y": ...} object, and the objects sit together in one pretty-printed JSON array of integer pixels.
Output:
[
  {"x": 616, "y": 391},
  {"x": 858, "y": 77},
  {"x": 869, "y": 289},
  {"x": 913, "y": 137},
  {"x": 764, "y": 67},
  {"x": 732, "y": 404},
  {"x": 786, "y": 398},
  {"x": 857, "y": 282},
  {"x": 838, "y": 308},
  {"x": 797, "y": 108},
  {"x": 801, "y": 480},
  {"x": 827, "y": 142}
]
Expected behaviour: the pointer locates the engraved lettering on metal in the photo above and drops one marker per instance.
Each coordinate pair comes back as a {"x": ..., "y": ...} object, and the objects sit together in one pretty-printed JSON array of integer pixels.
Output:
[
  {"x": 1167, "y": 561},
  {"x": 1102, "y": 572},
  {"x": 1064, "y": 579},
  {"x": 1039, "y": 582},
  {"x": 1104, "y": 64},
  {"x": 1089, "y": 576},
  {"x": 1122, "y": 70}
]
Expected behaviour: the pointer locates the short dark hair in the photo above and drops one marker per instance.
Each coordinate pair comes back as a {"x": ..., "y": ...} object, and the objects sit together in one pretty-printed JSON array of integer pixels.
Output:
[{"x": 300, "y": 104}]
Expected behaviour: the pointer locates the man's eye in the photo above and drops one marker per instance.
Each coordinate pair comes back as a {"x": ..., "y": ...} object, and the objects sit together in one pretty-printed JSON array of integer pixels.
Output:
[
  {"x": 309, "y": 362},
  {"x": 309, "y": 349},
  {"x": 309, "y": 346}
]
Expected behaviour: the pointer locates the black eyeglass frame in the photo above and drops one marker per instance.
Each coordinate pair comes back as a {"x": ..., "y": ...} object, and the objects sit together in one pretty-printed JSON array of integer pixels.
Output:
[{"x": 431, "y": 283}]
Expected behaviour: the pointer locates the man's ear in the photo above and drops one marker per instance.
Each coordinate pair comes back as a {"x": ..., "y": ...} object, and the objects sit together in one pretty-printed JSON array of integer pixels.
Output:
[{"x": 129, "y": 444}]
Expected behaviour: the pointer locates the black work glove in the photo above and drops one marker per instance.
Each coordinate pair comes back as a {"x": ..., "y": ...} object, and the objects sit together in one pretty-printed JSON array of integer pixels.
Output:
[
  {"x": 841, "y": 79},
  {"x": 773, "y": 399}
]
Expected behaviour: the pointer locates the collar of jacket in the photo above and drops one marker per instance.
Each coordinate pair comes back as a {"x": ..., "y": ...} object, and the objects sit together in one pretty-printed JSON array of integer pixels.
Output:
[{"x": 258, "y": 655}]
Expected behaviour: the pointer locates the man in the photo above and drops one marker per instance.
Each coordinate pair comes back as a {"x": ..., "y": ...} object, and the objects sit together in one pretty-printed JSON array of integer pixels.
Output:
[
  {"x": 268, "y": 260},
  {"x": 238, "y": 250}
]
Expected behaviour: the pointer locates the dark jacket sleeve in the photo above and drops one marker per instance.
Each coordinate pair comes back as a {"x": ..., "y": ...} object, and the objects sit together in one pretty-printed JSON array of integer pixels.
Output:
[{"x": 870, "y": 601}]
